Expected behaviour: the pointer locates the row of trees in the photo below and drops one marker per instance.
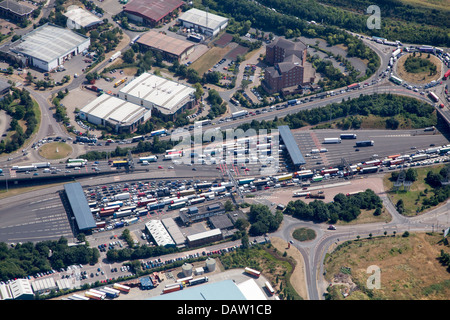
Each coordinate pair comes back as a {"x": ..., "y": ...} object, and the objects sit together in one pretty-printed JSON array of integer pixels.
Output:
[
  {"x": 155, "y": 146},
  {"x": 406, "y": 30},
  {"x": 419, "y": 114},
  {"x": 398, "y": 10},
  {"x": 345, "y": 208},
  {"x": 28, "y": 258},
  {"x": 138, "y": 252}
]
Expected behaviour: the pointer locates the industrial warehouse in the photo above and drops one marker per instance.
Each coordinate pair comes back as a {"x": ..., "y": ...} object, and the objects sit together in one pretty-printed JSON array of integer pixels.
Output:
[
  {"x": 172, "y": 49},
  {"x": 152, "y": 12},
  {"x": 78, "y": 18},
  {"x": 164, "y": 97},
  {"x": 203, "y": 22},
  {"x": 49, "y": 46},
  {"x": 122, "y": 116}
]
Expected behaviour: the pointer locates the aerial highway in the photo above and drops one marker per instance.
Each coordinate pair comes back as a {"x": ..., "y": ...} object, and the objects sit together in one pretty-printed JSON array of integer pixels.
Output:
[{"x": 42, "y": 213}]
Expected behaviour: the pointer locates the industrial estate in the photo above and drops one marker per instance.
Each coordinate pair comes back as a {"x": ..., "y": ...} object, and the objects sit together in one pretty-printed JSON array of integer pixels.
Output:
[{"x": 232, "y": 150}]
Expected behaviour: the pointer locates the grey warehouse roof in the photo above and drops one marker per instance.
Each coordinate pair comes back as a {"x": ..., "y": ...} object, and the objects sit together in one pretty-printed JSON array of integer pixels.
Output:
[
  {"x": 80, "y": 206},
  {"x": 48, "y": 42},
  {"x": 114, "y": 110},
  {"x": 203, "y": 19},
  {"x": 82, "y": 17},
  {"x": 291, "y": 145},
  {"x": 16, "y": 7}
]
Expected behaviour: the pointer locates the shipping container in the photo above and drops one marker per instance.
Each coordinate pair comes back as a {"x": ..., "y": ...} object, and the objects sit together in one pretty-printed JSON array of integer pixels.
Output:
[
  {"x": 173, "y": 288},
  {"x": 238, "y": 114},
  {"x": 366, "y": 143},
  {"x": 331, "y": 140},
  {"x": 197, "y": 200},
  {"x": 245, "y": 181},
  {"x": 304, "y": 174},
  {"x": 121, "y": 196},
  {"x": 348, "y": 136},
  {"x": 369, "y": 170},
  {"x": 269, "y": 288},
  {"x": 120, "y": 163},
  {"x": 41, "y": 165},
  {"x": 93, "y": 296},
  {"x": 24, "y": 168},
  {"x": 158, "y": 132},
  {"x": 253, "y": 272},
  {"x": 121, "y": 287},
  {"x": 193, "y": 282},
  {"x": 433, "y": 96},
  {"x": 148, "y": 159},
  {"x": 283, "y": 177}
]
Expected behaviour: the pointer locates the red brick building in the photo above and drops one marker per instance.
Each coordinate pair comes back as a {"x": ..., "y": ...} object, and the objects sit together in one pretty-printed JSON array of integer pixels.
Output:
[{"x": 289, "y": 69}]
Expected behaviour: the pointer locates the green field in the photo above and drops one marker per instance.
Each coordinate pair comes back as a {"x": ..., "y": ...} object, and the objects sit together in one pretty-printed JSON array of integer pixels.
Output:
[
  {"x": 413, "y": 198},
  {"x": 55, "y": 150},
  {"x": 304, "y": 234}
]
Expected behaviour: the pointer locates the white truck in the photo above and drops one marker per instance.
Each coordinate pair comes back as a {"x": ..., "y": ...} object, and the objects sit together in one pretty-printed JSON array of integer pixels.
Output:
[
  {"x": 238, "y": 114},
  {"x": 121, "y": 196},
  {"x": 331, "y": 140},
  {"x": 115, "y": 56}
]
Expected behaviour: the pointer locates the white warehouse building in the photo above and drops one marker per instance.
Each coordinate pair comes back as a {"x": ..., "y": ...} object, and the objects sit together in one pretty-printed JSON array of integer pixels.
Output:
[
  {"x": 165, "y": 97},
  {"x": 48, "y": 46},
  {"x": 111, "y": 111},
  {"x": 78, "y": 18},
  {"x": 203, "y": 22}
]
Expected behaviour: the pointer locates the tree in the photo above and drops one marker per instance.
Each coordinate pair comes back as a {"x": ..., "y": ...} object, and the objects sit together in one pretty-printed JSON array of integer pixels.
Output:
[
  {"x": 128, "y": 56},
  {"x": 228, "y": 206},
  {"x": 212, "y": 77},
  {"x": 411, "y": 175},
  {"x": 245, "y": 241},
  {"x": 400, "y": 206}
]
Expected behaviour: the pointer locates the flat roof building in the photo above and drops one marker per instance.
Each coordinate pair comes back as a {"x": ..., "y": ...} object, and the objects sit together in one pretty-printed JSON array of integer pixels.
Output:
[
  {"x": 170, "y": 47},
  {"x": 201, "y": 213},
  {"x": 78, "y": 18},
  {"x": 291, "y": 146},
  {"x": 204, "y": 237},
  {"x": 203, "y": 22},
  {"x": 152, "y": 12},
  {"x": 174, "y": 231},
  {"x": 165, "y": 97},
  {"x": 79, "y": 206},
  {"x": 122, "y": 116},
  {"x": 21, "y": 289},
  {"x": 11, "y": 9},
  {"x": 159, "y": 233},
  {"x": 48, "y": 46}
]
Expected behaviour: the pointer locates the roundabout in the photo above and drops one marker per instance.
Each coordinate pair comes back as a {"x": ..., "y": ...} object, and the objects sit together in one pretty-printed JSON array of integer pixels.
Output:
[
  {"x": 55, "y": 150},
  {"x": 418, "y": 68}
]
